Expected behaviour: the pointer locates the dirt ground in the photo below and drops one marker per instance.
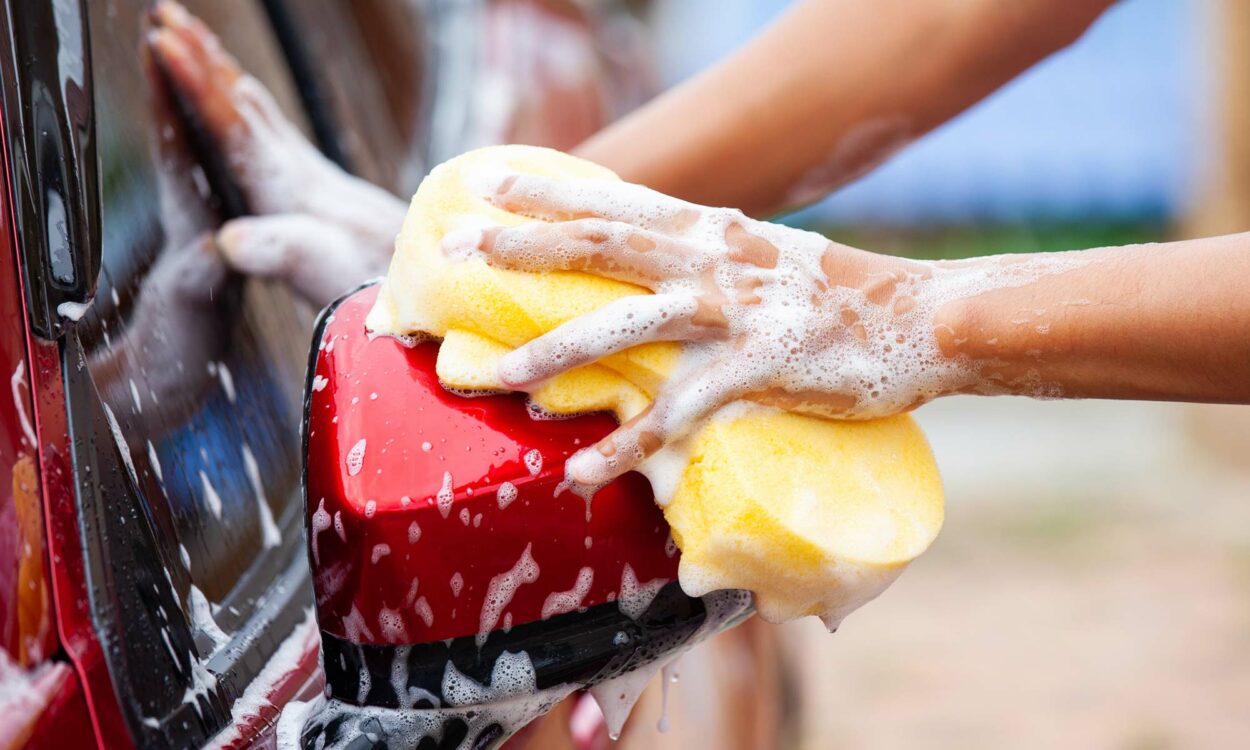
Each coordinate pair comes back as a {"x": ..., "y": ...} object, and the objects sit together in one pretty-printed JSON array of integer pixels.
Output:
[{"x": 1091, "y": 588}]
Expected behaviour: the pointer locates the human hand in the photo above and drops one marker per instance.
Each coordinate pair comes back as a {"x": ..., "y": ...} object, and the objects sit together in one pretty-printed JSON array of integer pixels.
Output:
[
  {"x": 315, "y": 226},
  {"x": 764, "y": 312}
]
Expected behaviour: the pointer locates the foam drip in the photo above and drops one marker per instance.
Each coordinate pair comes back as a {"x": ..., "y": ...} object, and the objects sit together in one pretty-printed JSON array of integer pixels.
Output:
[
  {"x": 635, "y": 597},
  {"x": 566, "y": 601},
  {"x": 356, "y": 457},
  {"x": 616, "y": 697},
  {"x": 502, "y": 588},
  {"x": 492, "y": 712},
  {"x": 202, "y": 618}
]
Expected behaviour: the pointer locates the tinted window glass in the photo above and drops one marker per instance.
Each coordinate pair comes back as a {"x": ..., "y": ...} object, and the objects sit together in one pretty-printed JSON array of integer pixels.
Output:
[
  {"x": 183, "y": 383},
  {"x": 374, "y": 97},
  {"x": 200, "y": 369}
]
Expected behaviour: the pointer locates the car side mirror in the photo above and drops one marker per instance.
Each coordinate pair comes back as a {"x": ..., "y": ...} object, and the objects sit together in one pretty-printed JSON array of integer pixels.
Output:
[{"x": 460, "y": 591}]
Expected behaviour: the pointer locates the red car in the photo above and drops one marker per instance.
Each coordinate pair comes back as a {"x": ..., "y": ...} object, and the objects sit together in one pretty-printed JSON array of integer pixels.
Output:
[{"x": 154, "y": 578}]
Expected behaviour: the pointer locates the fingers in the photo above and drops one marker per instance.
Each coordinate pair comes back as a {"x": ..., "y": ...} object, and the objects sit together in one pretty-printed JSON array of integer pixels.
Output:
[
  {"x": 197, "y": 66},
  {"x": 605, "y": 248},
  {"x": 318, "y": 259},
  {"x": 678, "y": 406},
  {"x": 193, "y": 274},
  {"x": 612, "y": 328},
  {"x": 565, "y": 200},
  {"x": 268, "y": 157}
]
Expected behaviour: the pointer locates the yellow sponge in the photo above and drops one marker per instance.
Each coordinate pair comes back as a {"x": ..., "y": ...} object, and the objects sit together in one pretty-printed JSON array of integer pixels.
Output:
[
  {"x": 472, "y": 305},
  {"x": 813, "y": 516}
]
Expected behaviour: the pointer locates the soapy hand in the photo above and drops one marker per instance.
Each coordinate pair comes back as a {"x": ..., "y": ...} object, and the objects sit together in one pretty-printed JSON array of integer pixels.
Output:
[
  {"x": 314, "y": 226},
  {"x": 764, "y": 312}
]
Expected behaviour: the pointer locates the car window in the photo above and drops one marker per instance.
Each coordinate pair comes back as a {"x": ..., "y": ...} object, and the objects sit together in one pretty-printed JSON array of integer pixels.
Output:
[
  {"x": 183, "y": 385},
  {"x": 371, "y": 105}
]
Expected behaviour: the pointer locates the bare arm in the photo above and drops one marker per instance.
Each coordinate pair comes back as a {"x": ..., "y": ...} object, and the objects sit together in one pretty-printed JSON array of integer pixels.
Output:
[
  {"x": 829, "y": 91},
  {"x": 1165, "y": 322},
  {"x": 786, "y": 318}
]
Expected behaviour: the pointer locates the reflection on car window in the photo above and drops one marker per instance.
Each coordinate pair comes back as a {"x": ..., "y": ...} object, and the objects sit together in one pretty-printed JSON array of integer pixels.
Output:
[
  {"x": 376, "y": 93},
  {"x": 199, "y": 370}
]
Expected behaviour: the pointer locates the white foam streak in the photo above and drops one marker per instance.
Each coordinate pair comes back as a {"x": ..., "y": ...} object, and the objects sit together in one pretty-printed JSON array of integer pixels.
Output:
[
  {"x": 502, "y": 588},
  {"x": 560, "y": 602},
  {"x": 635, "y": 597},
  {"x": 268, "y": 529}
]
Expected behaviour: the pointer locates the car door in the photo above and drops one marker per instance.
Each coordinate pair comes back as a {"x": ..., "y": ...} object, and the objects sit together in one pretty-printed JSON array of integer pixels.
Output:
[
  {"x": 176, "y": 386},
  {"x": 167, "y": 389}
]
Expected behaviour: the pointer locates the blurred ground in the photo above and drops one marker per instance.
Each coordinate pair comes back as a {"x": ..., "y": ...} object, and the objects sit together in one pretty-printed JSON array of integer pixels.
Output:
[{"x": 1091, "y": 588}]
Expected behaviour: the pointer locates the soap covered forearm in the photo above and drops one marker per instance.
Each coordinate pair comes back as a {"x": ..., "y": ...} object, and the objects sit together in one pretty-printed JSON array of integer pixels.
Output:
[{"x": 1166, "y": 321}]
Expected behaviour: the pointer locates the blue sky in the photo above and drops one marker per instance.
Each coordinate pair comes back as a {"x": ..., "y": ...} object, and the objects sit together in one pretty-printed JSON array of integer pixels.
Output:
[{"x": 1107, "y": 129}]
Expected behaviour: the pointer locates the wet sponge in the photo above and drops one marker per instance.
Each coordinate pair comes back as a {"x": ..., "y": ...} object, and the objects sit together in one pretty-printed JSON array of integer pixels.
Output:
[{"x": 814, "y": 516}]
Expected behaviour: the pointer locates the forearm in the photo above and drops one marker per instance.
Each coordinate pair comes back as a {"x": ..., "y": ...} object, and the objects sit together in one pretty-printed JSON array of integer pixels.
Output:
[
  {"x": 1164, "y": 322},
  {"x": 828, "y": 91}
]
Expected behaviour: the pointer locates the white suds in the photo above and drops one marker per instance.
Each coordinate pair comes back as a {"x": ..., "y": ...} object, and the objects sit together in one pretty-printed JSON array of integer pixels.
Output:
[
  {"x": 566, "y": 601},
  {"x": 202, "y": 618},
  {"x": 124, "y": 448},
  {"x": 73, "y": 310},
  {"x": 391, "y": 624},
  {"x": 319, "y": 383},
  {"x": 134, "y": 396},
  {"x": 227, "y": 381},
  {"x": 502, "y": 588},
  {"x": 534, "y": 462},
  {"x": 356, "y": 458},
  {"x": 445, "y": 495},
  {"x": 256, "y": 698},
  {"x": 422, "y": 609},
  {"x": 616, "y": 697},
  {"x": 506, "y": 494},
  {"x": 635, "y": 597},
  {"x": 320, "y": 522},
  {"x": 211, "y": 498},
  {"x": 268, "y": 529},
  {"x": 513, "y": 674},
  {"x": 668, "y": 678},
  {"x": 355, "y": 628},
  {"x": 17, "y": 383},
  {"x": 155, "y": 462}
]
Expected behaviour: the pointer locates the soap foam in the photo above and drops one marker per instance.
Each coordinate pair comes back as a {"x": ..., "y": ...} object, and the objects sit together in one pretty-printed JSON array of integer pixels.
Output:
[
  {"x": 269, "y": 534},
  {"x": 506, "y": 494},
  {"x": 495, "y": 710},
  {"x": 502, "y": 588},
  {"x": 560, "y": 602},
  {"x": 635, "y": 597},
  {"x": 445, "y": 495},
  {"x": 356, "y": 457}
]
